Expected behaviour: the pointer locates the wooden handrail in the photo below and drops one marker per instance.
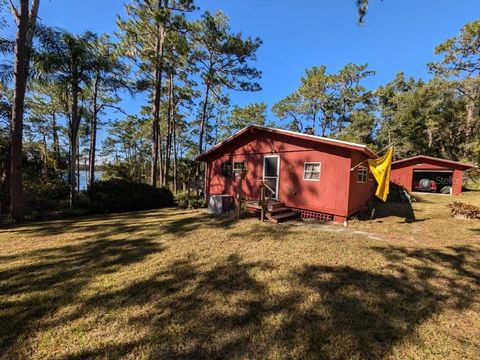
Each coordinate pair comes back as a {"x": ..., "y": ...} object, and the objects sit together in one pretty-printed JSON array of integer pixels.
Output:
[
  {"x": 264, "y": 201},
  {"x": 268, "y": 187}
]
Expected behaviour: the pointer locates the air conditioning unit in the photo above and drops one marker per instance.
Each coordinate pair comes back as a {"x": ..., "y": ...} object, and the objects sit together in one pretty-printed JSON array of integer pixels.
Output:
[{"x": 219, "y": 203}]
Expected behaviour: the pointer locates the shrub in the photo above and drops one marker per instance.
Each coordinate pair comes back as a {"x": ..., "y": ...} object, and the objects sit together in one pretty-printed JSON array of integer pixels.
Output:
[
  {"x": 464, "y": 211},
  {"x": 45, "y": 196},
  {"x": 472, "y": 179},
  {"x": 81, "y": 203},
  {"x": 186, "y": 201},
  {"x": 397, "y": 194},
  {"x": 122, "y": 195}
]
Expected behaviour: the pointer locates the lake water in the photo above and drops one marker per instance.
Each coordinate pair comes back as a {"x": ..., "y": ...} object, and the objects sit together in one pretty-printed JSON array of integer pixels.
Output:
[{"x": 84, "y": 177}]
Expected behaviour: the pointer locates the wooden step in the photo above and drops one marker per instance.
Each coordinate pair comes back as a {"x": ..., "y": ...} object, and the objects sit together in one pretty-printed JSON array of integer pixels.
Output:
[
  {"x": 281, "y": 217},
  {"x": 279, "y": 210},
  {"x": 274, "y": 205},
  {"x": 253, "y": 205}
]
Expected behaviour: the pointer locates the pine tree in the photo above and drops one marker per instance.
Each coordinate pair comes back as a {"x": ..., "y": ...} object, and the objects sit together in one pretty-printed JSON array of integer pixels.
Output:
[{"x": 144, "y": 33}]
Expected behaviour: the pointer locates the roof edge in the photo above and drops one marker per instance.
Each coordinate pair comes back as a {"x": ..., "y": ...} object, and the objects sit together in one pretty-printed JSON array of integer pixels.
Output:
[
  {"x": 462, "y": 164},
  {"x": 347, "y": 144}
]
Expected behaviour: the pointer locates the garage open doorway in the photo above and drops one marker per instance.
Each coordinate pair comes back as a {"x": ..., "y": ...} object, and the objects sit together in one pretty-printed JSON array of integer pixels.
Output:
[{"x": 433, "y": 181}]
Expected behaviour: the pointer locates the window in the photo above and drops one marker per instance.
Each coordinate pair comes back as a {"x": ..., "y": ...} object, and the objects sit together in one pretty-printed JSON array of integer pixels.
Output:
[
  {"x": 238, "y": 167},
  {"x": 362, "y": 175},
  {"x": 226, "y": 169},
  {"x": 311, "y": 171}
]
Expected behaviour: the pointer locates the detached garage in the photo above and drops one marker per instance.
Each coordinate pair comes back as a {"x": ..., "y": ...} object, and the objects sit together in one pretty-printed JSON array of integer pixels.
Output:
[{"x": 426, "y": 173}]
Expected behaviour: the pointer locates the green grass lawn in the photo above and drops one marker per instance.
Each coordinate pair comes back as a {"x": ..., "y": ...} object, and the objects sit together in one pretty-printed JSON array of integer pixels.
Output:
[{"x": 180, "y": 284}]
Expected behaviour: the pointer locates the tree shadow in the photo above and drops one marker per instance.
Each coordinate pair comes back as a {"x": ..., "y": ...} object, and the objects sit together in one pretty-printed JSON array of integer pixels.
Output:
[
  {"x": 374, "y": 311},
  {"x": 225, "y": 311},
  {"x": 259, "y": 232},
  {"x": 227, "y": 306},
  {"x": 215, "y": 311},
  {"x": 475, "y": 231},
  {"x": 50, "y": 278},
  {"x": 379, "y": 210},
  {"x": 184, "y": 225},
  {"x": 462, "y": 260},
  {"x": 167, "y": 220},
  {"x": 85, "y": 223}
]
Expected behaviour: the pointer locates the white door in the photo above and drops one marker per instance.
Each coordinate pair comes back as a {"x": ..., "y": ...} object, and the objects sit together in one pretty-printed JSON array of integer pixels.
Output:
[{"x": 271, "y": 172}]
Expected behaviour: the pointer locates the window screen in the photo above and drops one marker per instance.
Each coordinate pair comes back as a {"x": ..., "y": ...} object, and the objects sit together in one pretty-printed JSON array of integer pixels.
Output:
[
  {"x": 238, "y": 168},
  {"x": 271, "y": 166},
  {"x": 226, "y": 169},
  {"x": 311, "y": 171}
]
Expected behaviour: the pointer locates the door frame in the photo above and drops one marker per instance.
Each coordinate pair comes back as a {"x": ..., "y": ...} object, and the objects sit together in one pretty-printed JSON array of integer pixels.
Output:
[{"x": 278, "y": 172}]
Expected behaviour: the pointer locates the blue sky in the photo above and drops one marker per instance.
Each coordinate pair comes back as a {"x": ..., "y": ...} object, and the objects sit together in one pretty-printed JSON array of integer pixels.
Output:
[{"x": 399, "y": 35}]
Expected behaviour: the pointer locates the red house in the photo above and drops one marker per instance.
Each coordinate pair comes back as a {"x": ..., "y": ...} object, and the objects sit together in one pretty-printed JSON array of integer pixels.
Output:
[
  {"x": 309, "y": 174},
  {"x": 409, "y": 172}
]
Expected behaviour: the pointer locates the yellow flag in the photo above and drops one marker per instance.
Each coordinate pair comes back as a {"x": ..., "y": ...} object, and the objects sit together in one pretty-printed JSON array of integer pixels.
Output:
[{"x": 380, "y": 169}]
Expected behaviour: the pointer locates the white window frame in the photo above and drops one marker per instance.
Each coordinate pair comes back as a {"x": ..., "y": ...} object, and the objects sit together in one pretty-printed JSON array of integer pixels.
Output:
[
  {"x": 363, "y": 173},
  {"x": 312, "y": 163},
  {"x": 238, "y": 172}
]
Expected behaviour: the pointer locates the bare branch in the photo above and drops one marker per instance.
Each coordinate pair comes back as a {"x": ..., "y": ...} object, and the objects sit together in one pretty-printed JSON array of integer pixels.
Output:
[{"x": 14, "y": 11}]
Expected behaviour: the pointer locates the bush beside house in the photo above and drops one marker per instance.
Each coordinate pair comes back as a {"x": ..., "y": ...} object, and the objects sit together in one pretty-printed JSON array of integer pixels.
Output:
[
  {"x": 120, "y": 195},
  {"x": 189, "y": 201}
]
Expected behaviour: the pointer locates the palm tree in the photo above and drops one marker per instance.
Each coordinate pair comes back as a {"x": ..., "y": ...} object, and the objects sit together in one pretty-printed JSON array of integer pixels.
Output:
[
  {"x": 109, "y": 77},
  {"x": 71, "y": 65}
]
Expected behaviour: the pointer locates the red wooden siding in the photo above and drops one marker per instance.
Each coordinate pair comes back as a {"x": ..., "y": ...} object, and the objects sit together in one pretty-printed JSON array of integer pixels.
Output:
[
  {"x": 334, "y": 194},
  {"x": 402, "y": 171},
  {"x": 360, "y": 193}
]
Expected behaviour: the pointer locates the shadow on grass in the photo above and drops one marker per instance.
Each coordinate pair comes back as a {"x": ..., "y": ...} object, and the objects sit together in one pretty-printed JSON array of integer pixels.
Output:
[
  {"x": 184, "y": 225},
  {"x": 231, "y": 307},
  {"x": 404, "y": 210},
  {"x": 167, "y": 220},
  {"x": 475, "y": 231},
  {"x": 330, "y": 312},
  {"x": 56, "y": 227},
  {"x": 53, "y": 277}
]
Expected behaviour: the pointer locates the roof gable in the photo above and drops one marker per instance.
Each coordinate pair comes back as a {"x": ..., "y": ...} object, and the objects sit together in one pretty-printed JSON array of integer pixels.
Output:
[
  {"x": 323, "y": 140},
  {"x": 427, "y": 159}
]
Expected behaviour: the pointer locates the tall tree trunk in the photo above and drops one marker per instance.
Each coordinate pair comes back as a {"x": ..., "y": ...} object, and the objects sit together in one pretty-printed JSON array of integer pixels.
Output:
[
  {"x": 168, "y": 144},
  {"x": 175, "y": 174},
  {"x": 93, "y": 135},
  {"x": 324, "y": 128},
  {"x": 45, "y": 156},
  {"x": 20, "y": 84},
  {"x": 471, "y": 88},
  {"x": 203, "y": 120},
  {"x": 201, "y": 135},
  {"x": 56, "y": 141},
  {"x": 157, "y": 94},
  {"x": 78, "y": 165},
  {"x": 6, "y": 183},
  {"x": 74, "y": 126},
  {"x": 430, "y": 129},
  {"x": 155, "y": 143},
  {"x": 26, "y": 22}
]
